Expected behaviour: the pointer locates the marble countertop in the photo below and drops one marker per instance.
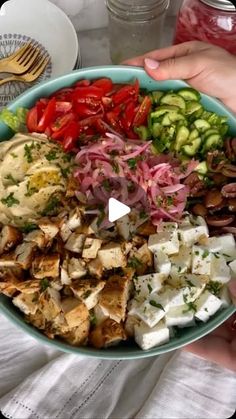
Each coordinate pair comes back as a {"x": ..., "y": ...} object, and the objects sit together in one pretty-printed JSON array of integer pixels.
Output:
[{"x": 94, "y": 44}]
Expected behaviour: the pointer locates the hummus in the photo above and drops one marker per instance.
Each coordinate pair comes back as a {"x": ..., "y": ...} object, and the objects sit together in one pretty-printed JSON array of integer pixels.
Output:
[{"x": 32, "y": 171}]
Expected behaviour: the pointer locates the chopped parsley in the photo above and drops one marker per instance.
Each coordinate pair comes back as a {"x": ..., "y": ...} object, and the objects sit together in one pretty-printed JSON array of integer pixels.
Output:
[
  {"x": 143, "y": 214},
  {"x": 134, "y": 263},
  {"x": 150, "y": 289},
  {"x": 52, "y": 206},
  {"x": 31, "y": 191},
  {"x": 169, "y": 201},
  {"x": 93, "y": 319},
  {"x": 28, "y": 227},
  {"x": 14, "y": 155},
  {"x": 44, "y": 284},
  {"x": 65, "y": 171},
  {"x": 214, "y": 287},
  {"x": 190, "y": 304},
  {"x": 28, "y": 152},
  {"x": 67, "y": 157},
  {"x": 10, "y": 200},
  {"x": 12, "y": 179},
  {"x": 205, "y": 254},
  {"x": 190, "y": 284},
  {"x": 51, "y": 155},
  {"x": 132, "y": 163},
  {"x": 115, "y": 167},
  {"x": 106, "y": 185},
  {"x": 157, "y": 305}
]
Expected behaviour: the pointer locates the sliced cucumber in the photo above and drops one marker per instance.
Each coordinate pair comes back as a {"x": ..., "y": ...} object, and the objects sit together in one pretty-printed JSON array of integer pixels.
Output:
[
  {"x": 212, "y": 142},
  {"x": 209, "y": 132},
  {"x": 161, "y": 110},
  {"x": 156, "y": 129},
  {"x": 173, "y": 99},
  {"x": 156, "y": 96},
  {"x": 143, "y": 132},
  {"x": 189, "y": 94},
  {"x": 192, "y": 148},
  {"x": 171, "y": 117},
  {"x": 181, "y": 137},
  {"x": 201, "y": 125},
  {"x": 193, "y": 107},
  {"x": 193, "y": 134},
  {"x": 202, "y": 168}
]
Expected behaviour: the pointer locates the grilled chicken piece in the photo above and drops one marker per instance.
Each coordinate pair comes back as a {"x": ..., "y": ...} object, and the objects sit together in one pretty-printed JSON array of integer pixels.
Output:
[
  {"x": 65, "y": 278},
  {"x": 72, "y": 186},
  {"x": 75, "y": 242},
  {"x": 130, "y": 324},
  {"x": 108, "y": 333},
  {"x": 77, "y": 336},
  {"x": 76, "y": 268},
  {"x": 147, "y": 229},
  {"x": 37, "y": 237},
  {"x": 123, "y": 227},
  {"x": 114, "y": 296},
  {"x": 38, "y": 320},
  {"x": 145, "y": 257},
  {"x": 29, "y": 287},
  {"x": 9, "y": 238},
  {"x": 27, "y": 303},
  {"x": 99, "y": 315},
  {"x": 65, "y": 232},
  {"x": 95, "y": 268},
  {"x": 24, "y": 254},
  {"x": 45, "y": 266},
  {"x": 49, "y": 228},
  {"x": 75, "y": 219},
  {"x": 87, "y": 290},
  {"x": 111, "y": 256},
  {"x": 50, "y": 304},
  {"x": 75, "y": 311},
  {"x": 91, "y": 248},
  {"x": 8, "y": 284},
  {"x": 8, "y": 260}
]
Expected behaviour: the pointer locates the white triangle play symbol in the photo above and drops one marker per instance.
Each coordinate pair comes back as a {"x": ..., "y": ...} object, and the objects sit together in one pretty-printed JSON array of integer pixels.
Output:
[{"x": 116, "y": 210}]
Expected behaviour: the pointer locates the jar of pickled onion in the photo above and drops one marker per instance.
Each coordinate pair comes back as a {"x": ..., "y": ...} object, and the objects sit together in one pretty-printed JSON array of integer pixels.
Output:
[{"x": 212, "y": 21}]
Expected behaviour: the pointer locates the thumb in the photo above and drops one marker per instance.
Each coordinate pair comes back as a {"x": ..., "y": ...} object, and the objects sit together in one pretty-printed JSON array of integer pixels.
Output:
[
  {"x": 182, "y": 68},
  {"x": 232, "y": 288}
]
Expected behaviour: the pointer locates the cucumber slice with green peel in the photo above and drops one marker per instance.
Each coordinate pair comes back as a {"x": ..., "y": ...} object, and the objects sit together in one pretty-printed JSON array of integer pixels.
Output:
[
  {"x": 202, "y": 168},
  {"x": 192, "y": 148},
  {"x": 212, "y": 142},
  {"x": 143, "y": 132},
  {"x": 210, "y": 131},
  {"x": 192, "y": 107},
  {"x": 189, "y": 94},
  {"x": 172, "y": 117},
  {"x": 193, "y": 134},
  {"x": 156, "y": 129},
  {"x": 201, "y": 125},
  {"x": 161, "y": 110},
  {"x": 173, "y": 99},
  {"x": 156, "y": 95},
  {"x": 181, "y": 137}
]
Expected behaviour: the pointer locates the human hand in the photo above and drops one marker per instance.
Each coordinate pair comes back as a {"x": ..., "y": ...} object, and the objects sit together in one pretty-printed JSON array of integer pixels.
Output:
[
  {"x": 207, "y": 68},
  {"x": 220, "y": 345}
]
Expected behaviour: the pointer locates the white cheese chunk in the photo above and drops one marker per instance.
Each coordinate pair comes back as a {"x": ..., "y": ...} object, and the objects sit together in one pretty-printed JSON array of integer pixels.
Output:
[
  {"x": 146, "y": 284},
  {"x": 201, "y": 260},
  {"x": 191, "y": 234},
  {"x": 232, "y": 266},
  {"x": 148, "y": 338},
  {"x": 220, "y": 271},
  {"x": 181, "y": 263},
  {"x": 166, "y": 241},
  {"x": 167, "y": 226},
  {"x": 207, "y": 305},
  {"x": 152, "y": 310},
  {"x": 224, "y": 244},
  {"x": 225, "y": 297},
  {"x": 162, "y": 263},
  {"x": 180, "y": 316}
]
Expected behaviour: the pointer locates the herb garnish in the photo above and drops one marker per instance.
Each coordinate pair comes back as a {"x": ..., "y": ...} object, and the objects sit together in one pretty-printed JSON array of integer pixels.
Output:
[
  {"x": 134, "y": 263},
  {"x": 205, "y": 254},
  {"x": 51, "y": 155},
  {"x": 157, "y": 305},
  {"x": 10, "y": 200},
  {"x": 44, "y": 284},
  {"x": 191, "y": 305},
  {"x": 115, "y": 167},
  {"x": 52, "y": 206},
  {"x": 12, "y": 179},
  {"x": 150, "y": 289},
  {"x": 28, "y": 227},
  {"x": 214, "y": 287},
  {"x": 28, "y": 152},
  {"x": 132, "y": 163}
]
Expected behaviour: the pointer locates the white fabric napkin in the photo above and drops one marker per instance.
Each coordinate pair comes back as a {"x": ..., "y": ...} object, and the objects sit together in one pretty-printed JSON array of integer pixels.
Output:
[{"x": 40, "y": 383}]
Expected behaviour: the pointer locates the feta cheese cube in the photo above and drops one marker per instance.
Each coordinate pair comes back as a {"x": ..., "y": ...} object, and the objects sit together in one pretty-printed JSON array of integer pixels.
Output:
[
  {"x": 207, "y": 305},
  {"x": 225, "y": 297},
  {"x": 166, "y": 241},
  {"x": 201, "y": 260},
  {"x": 180, "y": 316},
  {"x": 232, "y": 266},
  {"x": 152, "y": 310},
  {"x": 220, "y": 271},
  {"x": 167, "y": 226},
  {"x": 181, "y": 263},
  {"x": 190, "y": 235},
  {"x": 224, "y": 244},
  {"x": 148, "y": 338},
  {"x": 146, "y": 284},
  {"x": 162, "y": 263}
]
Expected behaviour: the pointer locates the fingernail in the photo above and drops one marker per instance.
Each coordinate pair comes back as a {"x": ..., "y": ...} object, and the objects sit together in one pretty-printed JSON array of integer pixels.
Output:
[{"x": 152, "y": 64}]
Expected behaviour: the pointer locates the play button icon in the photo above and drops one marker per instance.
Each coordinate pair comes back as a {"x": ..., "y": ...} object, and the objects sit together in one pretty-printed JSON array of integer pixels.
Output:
[{"x": 116, "y": 210}]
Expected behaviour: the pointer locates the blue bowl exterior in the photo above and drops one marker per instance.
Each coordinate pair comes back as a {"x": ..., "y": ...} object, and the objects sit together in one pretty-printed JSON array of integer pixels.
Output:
[{"x": 119, "y": 74}]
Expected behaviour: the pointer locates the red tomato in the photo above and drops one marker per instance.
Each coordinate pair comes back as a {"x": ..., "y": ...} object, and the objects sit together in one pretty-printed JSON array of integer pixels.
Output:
[
  {"x": 113, "y": 122},
  {"x": 71, "y": 136},
  {"x": 87, "y": 122},
  {"x": 123, "y": 94},
  {"x": 62, "y": 106},
  {"x": 83, "y": 111},
  {"x": 48, "y": 115},
  {"x": 128, "y": 116},
  {"x": 64, "y": 94},
  {"x": 143, "y": 111},
  {"x": 105, "y": 84},
  {"x": 85, "y": 92},
  {"x": 32, "y": 119},
  {"x": 83, "y": 82},
  {"x": 60, "y": 122}
]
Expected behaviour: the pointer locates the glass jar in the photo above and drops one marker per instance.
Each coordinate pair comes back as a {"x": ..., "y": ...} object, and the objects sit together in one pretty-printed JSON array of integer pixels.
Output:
[
  {"x": 135, "y": 27},
  {"x": 212, "y": 21}
]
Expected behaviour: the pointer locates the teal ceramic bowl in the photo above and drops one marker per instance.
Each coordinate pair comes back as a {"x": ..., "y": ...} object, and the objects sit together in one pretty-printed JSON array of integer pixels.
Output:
[{"x": 119, "y": 74}]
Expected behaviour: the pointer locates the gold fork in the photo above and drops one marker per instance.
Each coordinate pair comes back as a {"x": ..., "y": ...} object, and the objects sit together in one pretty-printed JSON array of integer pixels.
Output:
[
  {"x": 20, "y": 61},
  {"x": 33, "y": 73}
]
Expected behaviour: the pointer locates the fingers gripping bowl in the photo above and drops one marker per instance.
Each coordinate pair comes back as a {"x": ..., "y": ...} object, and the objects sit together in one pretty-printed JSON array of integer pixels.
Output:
[{"x": 127, "y": 349}]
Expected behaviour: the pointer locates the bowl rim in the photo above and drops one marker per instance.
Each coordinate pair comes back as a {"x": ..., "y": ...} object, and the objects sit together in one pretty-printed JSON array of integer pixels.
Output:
[{"x": 31, "y": 95}]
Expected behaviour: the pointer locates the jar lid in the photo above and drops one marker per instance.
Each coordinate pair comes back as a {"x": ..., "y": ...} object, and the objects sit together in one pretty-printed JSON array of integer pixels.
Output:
[
  {"x": 221, "y": 4},
  {"x": 137, "y": 9}
]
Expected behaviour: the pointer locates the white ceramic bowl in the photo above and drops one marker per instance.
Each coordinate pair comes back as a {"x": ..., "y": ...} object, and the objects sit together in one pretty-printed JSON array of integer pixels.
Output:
[{"x": 42, "y": 23}]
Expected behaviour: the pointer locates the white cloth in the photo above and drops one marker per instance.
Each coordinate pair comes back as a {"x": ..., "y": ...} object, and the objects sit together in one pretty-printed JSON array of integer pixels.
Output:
[{"x": 37, "y": 382}]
